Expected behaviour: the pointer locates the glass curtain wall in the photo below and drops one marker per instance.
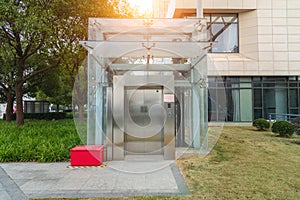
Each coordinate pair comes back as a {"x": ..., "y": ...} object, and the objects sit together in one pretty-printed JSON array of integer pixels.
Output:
[{"x": 250, "y": 98}]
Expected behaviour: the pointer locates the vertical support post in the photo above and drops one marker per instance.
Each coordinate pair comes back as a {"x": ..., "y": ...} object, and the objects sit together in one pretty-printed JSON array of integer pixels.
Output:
[
  {"x": 203, "y": 105},
  {"x": 200, "y": 106},
  {"x": 91, "y": 101},
  {"x": 109, "y": 126},
  {"x": 199, "y": 5},
  {"x": 99, "y": 106},
  {"x": 196, "y": 115}
]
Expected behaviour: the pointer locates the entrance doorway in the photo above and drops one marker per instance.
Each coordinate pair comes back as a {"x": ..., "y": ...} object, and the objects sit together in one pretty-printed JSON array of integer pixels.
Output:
[{"x": 144, "y": 117}]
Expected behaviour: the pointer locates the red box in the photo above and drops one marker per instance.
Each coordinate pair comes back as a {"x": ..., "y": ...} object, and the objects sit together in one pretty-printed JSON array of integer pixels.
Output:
[{"x": 87, "y": 155}]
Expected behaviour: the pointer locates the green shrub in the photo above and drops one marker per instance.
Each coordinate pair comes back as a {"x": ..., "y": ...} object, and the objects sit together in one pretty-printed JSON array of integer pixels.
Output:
[
  {"x": 38, "y": 140},
  {"x": 283, "y": 128},
  {"x": 42, "y": 116},
  {"x": 296, "y": 125},
  {"x": 261, "y": 124}
]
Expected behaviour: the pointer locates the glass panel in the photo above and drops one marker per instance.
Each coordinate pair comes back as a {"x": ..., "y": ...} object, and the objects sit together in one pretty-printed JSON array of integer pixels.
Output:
[
  {"x": 257, "y": 98},
  {"x": 256, "y": 84},
  {"x": 257, "y": 113},
  {"x": 145, "y": 29},
  {"x": 293, "y": 84},
  {"x": 246, "y": 79},
  {"x": 293, "y": 97},
  {"x": 188, "y": 129},
  {"x": 275, "y": 101},
  {"x": 294, "y": 111},
  {"x": 137, "y": 50},
  {"x": 236, "y": 105},
  {"x": 212, "y": 108},
  {"x": 230, "y": 106},
  {"x": 224, "y": 31},
  {"x": 30, "y": 107},
  {"x": 269, "y": 84},
  {"x": 257, "y": 79},
  {"x": 37, "y": 107},
  {"x": 222, "y": 105},
  {"x": 245, "y": 85},
  {"x": 269, "y": 102},
  {"x": 227, "y": 40},
  {"x": 183, "y": 120},
  {"x": 281, "y": 85},
  {"x": 211, "y": 82},
  {"x": 246, "y": 105},
  {"x": 272, "y": 78},
  {"x": 281, "y": 101}
]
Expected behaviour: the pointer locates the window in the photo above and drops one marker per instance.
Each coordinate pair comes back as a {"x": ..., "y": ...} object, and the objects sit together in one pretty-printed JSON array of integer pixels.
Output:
[
  {"x": 223, "y": 29},
  {"x": 249, "y": 98}
]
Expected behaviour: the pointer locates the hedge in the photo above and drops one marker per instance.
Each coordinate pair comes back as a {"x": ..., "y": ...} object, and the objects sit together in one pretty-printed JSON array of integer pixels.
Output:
[{"x": 42, "y": 116}]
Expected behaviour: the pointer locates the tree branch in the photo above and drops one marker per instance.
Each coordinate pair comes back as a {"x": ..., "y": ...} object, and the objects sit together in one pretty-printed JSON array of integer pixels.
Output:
[
  {"x": 27, "y": 54},
  {"x": 4, "y": 87},
  {"x": 41, "y": 71},
  {"x": 9, "y": 35}
]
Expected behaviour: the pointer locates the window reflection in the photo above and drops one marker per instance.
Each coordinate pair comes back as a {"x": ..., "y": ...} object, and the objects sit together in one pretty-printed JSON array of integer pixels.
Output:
[
  {"x": 249, "y": 98},
  {"x": 223, "y": 29}
]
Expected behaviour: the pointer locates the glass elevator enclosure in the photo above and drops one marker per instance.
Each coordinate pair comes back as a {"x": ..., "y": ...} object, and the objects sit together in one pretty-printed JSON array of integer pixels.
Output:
[{"x": 147, "y": 86}]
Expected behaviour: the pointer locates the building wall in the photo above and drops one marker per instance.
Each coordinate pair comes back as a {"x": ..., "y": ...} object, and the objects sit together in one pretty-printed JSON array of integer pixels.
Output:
[{"x": 269, "y": 37}]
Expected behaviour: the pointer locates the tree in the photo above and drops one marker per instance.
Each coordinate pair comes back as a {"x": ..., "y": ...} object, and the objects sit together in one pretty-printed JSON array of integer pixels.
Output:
[
  {"x": 80, "y": 91},
  {"x": 40, "y": 34},
  {"x": 6, "y": 80},
  {"x": 72, "y": 28},
  {"x": 25, "y": 28}
]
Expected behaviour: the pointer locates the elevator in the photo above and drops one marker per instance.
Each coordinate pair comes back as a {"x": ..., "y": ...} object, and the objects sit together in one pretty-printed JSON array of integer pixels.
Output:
[
  {"x": 147, "y": 86},
  {"x": 144, "y": 122}
]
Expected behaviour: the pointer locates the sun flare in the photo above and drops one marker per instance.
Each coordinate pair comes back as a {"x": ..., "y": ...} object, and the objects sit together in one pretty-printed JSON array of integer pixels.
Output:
[{"x": 143, "y": 6}]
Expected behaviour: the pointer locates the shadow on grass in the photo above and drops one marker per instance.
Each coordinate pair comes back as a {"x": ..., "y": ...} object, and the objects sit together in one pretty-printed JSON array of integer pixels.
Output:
[{"x": 295, "y": 142}]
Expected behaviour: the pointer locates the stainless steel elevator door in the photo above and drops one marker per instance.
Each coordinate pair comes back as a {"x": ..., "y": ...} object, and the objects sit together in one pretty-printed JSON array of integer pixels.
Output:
[{"x": 144, "y": 120}]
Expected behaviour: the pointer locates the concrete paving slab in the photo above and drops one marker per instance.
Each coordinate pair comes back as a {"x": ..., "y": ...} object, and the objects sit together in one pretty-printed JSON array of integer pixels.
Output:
[
  {"x": 9, "y": 189},
  {"x": 119, "y": 179}
]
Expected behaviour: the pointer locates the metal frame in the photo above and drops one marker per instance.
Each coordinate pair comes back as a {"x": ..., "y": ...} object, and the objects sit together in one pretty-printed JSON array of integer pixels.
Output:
[{"x": 140, "y": 43}]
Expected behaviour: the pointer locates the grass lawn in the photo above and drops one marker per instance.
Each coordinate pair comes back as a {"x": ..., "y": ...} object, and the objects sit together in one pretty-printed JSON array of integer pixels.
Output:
[
  {"x": 41, "y": 141},
  {"x": 245, "y": 164}
]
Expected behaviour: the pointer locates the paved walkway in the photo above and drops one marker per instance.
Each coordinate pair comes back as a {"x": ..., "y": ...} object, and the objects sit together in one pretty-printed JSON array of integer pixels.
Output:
[{"x": 118, "y": 179}]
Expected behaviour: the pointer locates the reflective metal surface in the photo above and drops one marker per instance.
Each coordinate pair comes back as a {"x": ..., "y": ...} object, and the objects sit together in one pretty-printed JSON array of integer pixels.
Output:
[
  {"x": 141, "y": 123},
  {"x": 118, "y": 117},
  {"x": 144, "y": 121},
  {"x": 109, "y": 125},
  {"x": 169, "y": 130}
]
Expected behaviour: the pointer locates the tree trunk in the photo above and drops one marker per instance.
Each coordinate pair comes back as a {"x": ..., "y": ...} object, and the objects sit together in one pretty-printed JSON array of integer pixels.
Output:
[
  {"x": 81, "y": 113},
  {"x": 19, "y": 101},
  {"x": 9, "y": 105},
  {"x": 57, "y": 108}
]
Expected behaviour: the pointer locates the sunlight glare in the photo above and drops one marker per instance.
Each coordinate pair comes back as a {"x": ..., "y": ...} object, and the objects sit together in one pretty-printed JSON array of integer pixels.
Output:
[{"x": 143, "y": 6}]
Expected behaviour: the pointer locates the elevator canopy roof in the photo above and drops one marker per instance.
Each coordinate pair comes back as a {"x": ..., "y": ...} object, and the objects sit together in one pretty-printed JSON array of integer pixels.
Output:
[{"x": 159, "y": 38}]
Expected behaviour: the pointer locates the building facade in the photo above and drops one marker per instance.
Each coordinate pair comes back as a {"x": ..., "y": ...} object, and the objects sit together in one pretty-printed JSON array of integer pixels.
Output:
[{"x": 255, "y": 58}]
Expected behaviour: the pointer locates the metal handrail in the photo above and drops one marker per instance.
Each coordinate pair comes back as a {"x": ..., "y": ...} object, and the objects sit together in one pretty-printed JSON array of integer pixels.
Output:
[{"x": 279, "y": 116}]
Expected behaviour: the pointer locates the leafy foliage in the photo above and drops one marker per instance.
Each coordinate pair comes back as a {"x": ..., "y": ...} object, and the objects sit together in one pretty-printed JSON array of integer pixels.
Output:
[
  {"x": 43, "y": 116},
  {"x": 39, "y": 141},
  {"x": 26, "y": 32},
  {"x": 283, "y": 128},
  {"x": 37, "y": 36},
  {"x": 261, "y": 124},
  {"x": 296, "y": 125}
]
